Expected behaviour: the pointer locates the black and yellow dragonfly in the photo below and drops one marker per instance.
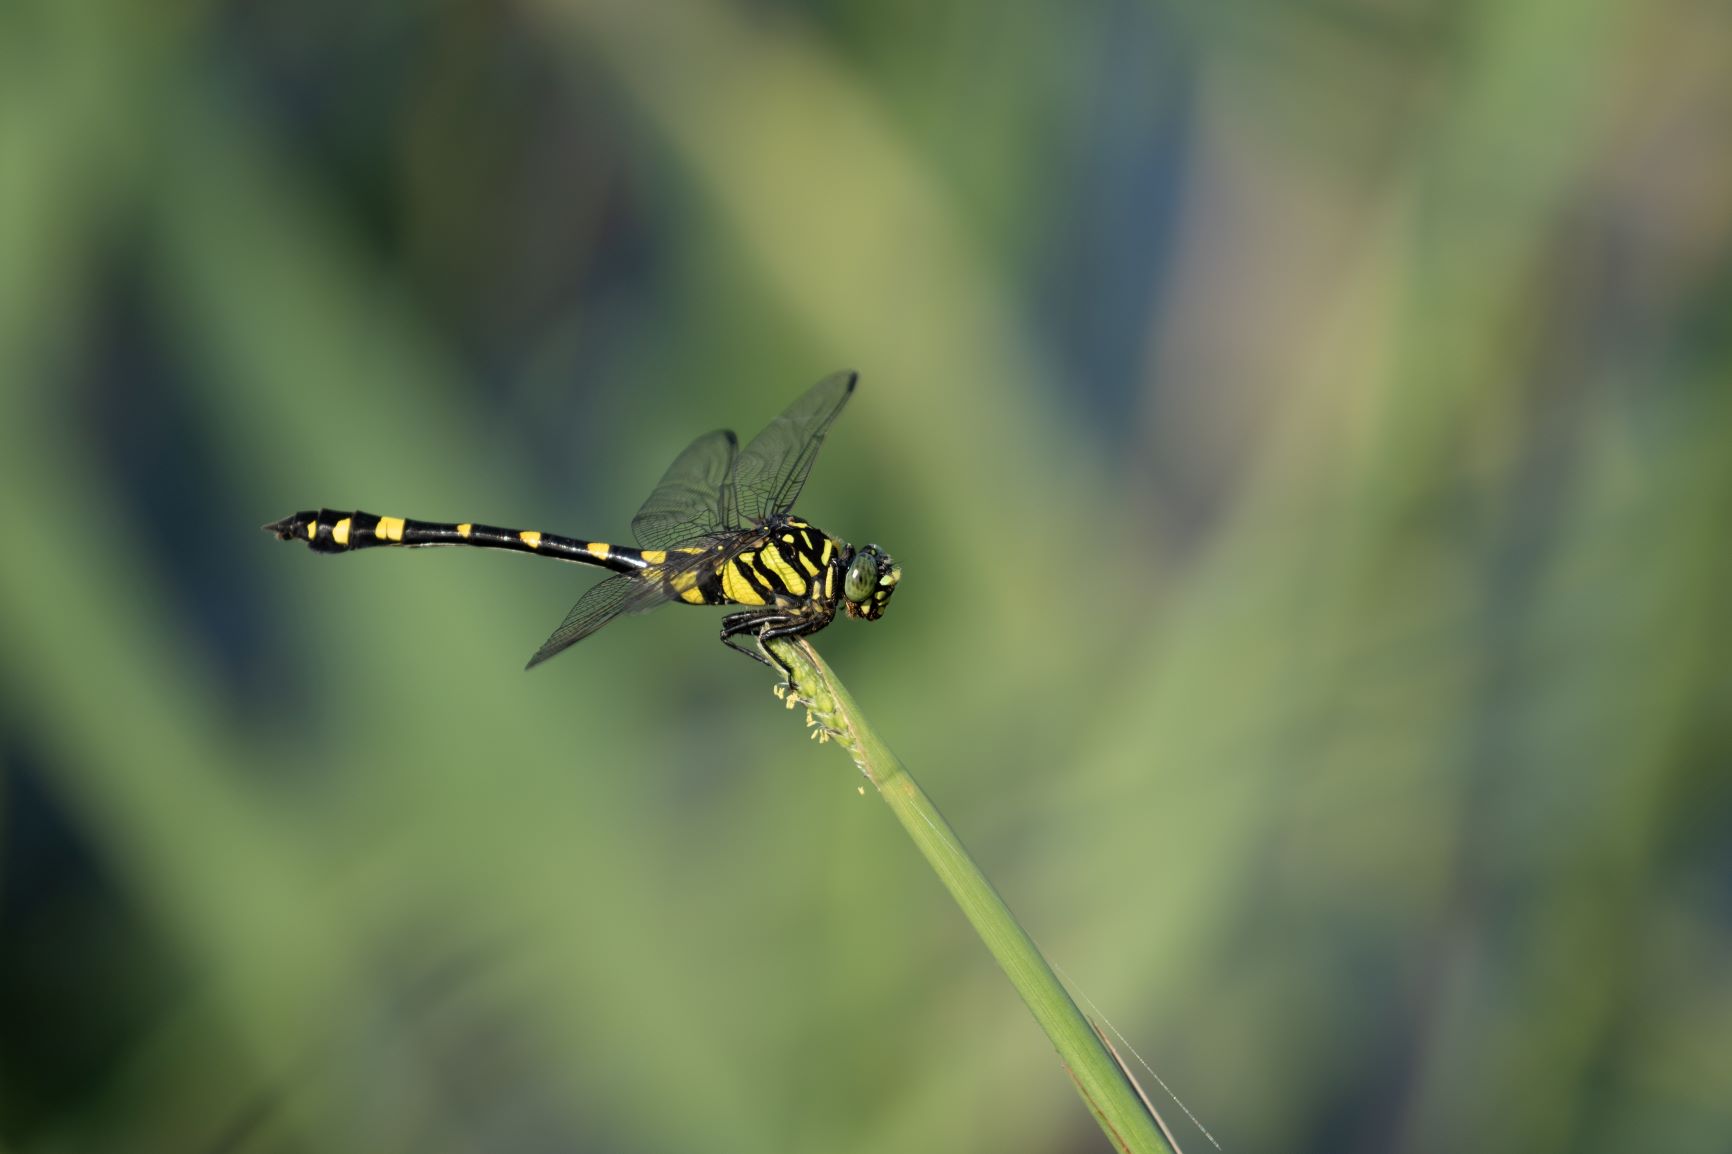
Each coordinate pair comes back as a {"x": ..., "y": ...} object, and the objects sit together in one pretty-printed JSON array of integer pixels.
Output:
[{"x": 718, "y": 530}]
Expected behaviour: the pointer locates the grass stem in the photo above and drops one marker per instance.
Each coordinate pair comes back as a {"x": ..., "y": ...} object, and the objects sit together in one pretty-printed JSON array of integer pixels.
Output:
[{"x": 1108, "y": 1090}]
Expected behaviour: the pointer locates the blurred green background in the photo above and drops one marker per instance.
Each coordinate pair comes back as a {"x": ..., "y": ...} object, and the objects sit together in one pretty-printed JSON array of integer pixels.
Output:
[{"x": 1306, "y": 430}]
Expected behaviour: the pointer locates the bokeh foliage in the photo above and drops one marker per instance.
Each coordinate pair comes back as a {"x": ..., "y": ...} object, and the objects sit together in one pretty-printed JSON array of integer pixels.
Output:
[{"x": 1306, "y": 430}]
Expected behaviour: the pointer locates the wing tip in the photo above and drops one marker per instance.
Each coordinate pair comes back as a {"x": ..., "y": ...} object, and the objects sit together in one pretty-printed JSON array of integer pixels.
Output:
[
  {"x": 541, "y": 656},
  {"x": 847, "y": 377}
]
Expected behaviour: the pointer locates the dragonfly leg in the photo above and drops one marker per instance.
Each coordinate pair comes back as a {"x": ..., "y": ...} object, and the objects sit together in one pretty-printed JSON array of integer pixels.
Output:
[
  {"x": 765, "y": 625},
  {"x": 753, "y": 624}
]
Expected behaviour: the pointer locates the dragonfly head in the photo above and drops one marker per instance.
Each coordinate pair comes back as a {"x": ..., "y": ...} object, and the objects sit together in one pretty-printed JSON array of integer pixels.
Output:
[{"x": 871, "y": 579}]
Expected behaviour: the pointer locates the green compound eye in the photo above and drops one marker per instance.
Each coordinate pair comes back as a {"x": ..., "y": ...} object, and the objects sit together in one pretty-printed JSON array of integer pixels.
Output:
[
  {"x": 861, "y": 578},
  {"x": 869, "y": 582}
]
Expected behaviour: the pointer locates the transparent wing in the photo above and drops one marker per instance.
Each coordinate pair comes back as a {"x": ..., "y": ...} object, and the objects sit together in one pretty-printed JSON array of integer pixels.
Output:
[
  {"x": 688, "y": 501},
  {"x": 769, "y": 472},
  {"x": 614, "y": 597}
]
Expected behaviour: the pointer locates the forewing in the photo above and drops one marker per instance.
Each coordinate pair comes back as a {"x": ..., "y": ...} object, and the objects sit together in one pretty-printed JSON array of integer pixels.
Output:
[
  {"x": 769, "y": 472},
  {"x": 687, "y": 503},
  {"x": 614, "y": 597}
]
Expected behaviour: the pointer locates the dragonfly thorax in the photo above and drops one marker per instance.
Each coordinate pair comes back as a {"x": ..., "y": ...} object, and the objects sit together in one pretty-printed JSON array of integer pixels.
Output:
[{"x": 789, "y": 562}]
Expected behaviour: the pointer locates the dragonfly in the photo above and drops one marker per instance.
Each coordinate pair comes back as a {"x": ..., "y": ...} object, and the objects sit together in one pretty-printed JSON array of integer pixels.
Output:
[{"x": 719, "y": 529}]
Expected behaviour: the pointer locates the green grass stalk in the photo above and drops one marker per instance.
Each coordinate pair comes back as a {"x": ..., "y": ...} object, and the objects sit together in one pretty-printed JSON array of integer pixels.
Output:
[{"x": 1110, "y": 1094}]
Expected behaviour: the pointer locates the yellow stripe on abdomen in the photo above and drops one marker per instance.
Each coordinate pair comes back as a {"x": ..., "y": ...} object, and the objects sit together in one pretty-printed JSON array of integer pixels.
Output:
[
  {"x": 389, "y": 529},
  {"x": 531, "y": 538},
  {"x": 686, "y": 585}
]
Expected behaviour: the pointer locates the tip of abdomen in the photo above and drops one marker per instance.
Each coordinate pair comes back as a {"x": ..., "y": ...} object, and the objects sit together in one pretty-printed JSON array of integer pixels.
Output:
[
  {"x": 311, "y": 527},
  {"x": 291, "y": 527}
]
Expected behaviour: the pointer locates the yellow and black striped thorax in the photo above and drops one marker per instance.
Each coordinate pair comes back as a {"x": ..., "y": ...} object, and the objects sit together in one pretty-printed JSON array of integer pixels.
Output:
[{"x": 785, "y": 563}]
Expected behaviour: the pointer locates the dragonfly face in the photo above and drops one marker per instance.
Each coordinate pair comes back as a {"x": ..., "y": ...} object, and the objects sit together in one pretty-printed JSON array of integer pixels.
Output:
[
  {"x": 717, "y": 530},
  {"x": 871, "y": 579}
]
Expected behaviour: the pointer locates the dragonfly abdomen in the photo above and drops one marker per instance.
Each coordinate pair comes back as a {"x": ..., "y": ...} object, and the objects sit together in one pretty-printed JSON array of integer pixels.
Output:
[{"x": 338, "y": 531}]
